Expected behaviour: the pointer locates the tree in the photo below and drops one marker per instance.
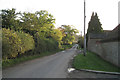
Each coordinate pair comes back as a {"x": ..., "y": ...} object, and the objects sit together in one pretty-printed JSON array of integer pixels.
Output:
[
  {"x": 94, "y": 25},
  {"x": 57, "y": 36},
  {"x": 68, "y": 31},
  {"x": 81, "y": 42},
  {"x": 9, "y": 19},
  {"x": 35, "y": 22}
]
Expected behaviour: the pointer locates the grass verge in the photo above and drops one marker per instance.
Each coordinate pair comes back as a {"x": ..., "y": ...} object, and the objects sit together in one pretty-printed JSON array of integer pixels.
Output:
[
  {"x": 93, "y": 62},
  {"x": 11, "y": 62}
]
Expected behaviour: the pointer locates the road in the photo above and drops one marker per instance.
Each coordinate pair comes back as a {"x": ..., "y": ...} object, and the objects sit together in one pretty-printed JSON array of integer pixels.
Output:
[{"x": 54, "y": 66}]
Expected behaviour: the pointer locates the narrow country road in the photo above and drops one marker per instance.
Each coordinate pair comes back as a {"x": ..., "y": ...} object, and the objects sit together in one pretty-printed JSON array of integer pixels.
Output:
[{"x": 54, "y": 66}]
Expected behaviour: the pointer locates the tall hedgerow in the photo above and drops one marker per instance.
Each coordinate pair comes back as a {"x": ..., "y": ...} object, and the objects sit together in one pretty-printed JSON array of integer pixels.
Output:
[
  {"x": 44, "y": 44},
  {"x": 27, "y": 41},
  {"x": 11, "y": 43},
  {"x": 14, "y": 43}
]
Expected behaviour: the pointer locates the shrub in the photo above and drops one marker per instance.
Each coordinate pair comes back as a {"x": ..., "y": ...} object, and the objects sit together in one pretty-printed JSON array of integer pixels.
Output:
[
  {"x": 10, "y": 43},
  {"x": 67, "y": 46},
  {"x": 44, "y": 44},
  {"x": 14, "y": 43},
  {"x": 27, "y": 41},
  {"x": 51, "y": 44}
]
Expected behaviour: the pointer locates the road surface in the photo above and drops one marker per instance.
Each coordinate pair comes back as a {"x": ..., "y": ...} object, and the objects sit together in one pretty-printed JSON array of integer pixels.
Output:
[{"x": 54, "y": 66}]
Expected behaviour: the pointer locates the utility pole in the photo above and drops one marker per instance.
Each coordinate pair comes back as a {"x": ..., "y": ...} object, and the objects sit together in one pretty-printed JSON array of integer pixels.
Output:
[
  {"x": 84, "y": 30},
  {"x": 81, "y": 33}
]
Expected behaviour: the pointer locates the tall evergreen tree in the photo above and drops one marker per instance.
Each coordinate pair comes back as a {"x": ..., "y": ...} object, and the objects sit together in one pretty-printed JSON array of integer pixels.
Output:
[{"x": 94, "y": 25}]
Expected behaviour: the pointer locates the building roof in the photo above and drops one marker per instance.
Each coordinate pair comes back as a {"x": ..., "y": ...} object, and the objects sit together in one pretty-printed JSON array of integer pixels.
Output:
[{"x": 107, "y": 30}]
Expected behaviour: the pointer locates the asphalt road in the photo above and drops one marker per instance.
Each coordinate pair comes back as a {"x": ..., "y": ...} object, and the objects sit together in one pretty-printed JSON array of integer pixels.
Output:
[{"x": 54, "y": 66}]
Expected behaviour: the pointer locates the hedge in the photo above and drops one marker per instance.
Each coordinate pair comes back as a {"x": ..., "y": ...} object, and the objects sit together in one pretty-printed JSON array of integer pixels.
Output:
[
  {"x": 44, "y": 44},
  {"x": 14, "y": 43}
]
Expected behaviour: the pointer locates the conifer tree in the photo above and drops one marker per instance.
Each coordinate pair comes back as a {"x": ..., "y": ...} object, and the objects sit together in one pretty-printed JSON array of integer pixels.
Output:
[{"x": 94, "y": 25}]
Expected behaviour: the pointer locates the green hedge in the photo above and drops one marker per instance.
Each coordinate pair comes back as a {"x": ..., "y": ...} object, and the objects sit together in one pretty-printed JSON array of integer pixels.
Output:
[
  {"x": 67, "y": 46},
  {"x": 51, "y": 44},
  {"x": 27, "y": 41},
  {"x": 14, "y": 43},
  {"x": 44, "y": 44}
]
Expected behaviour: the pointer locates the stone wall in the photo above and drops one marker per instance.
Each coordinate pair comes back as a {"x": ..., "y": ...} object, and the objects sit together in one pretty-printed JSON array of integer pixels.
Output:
[{"x": 108, "y": 50}]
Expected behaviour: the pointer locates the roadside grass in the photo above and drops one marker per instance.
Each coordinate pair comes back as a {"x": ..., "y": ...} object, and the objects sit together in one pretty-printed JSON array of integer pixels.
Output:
[
  {"x": 11, "y": 62},
  {"x": 93, "y": 62}
]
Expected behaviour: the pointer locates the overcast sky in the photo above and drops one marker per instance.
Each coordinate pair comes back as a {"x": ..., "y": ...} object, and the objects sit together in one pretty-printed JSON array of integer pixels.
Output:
[{"x": 70, "y": 12}]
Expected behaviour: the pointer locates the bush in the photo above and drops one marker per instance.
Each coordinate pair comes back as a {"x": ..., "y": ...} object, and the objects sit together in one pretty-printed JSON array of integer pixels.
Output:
[
  {"x": 14, "y": 43},
  {"x": 10, "y": 43},
  {"x": 44, "y": 44},
  {"x": 27, "y": 41},
  {"x": 67, "y": 46},
  {"x": 51, "y": 44}
]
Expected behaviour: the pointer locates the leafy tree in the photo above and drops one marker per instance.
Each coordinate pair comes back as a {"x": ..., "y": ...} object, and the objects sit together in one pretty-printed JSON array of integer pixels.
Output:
[
  {"x": 69, "y": 34},
  {"x": 29, "y": 23},
  {"x": 45, "y": 19},
  {"x": 9, "y": 19},
  {"x": 33, "y": 22},
  {"x": 24, "y": 32},
  {"x": 57, "y": 36}
]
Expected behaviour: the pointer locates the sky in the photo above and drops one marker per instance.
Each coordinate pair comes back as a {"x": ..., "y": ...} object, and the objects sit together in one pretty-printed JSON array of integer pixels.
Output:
[
  {"x": 119, "y": 12},
  {"x": 70, "y": 12}
]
